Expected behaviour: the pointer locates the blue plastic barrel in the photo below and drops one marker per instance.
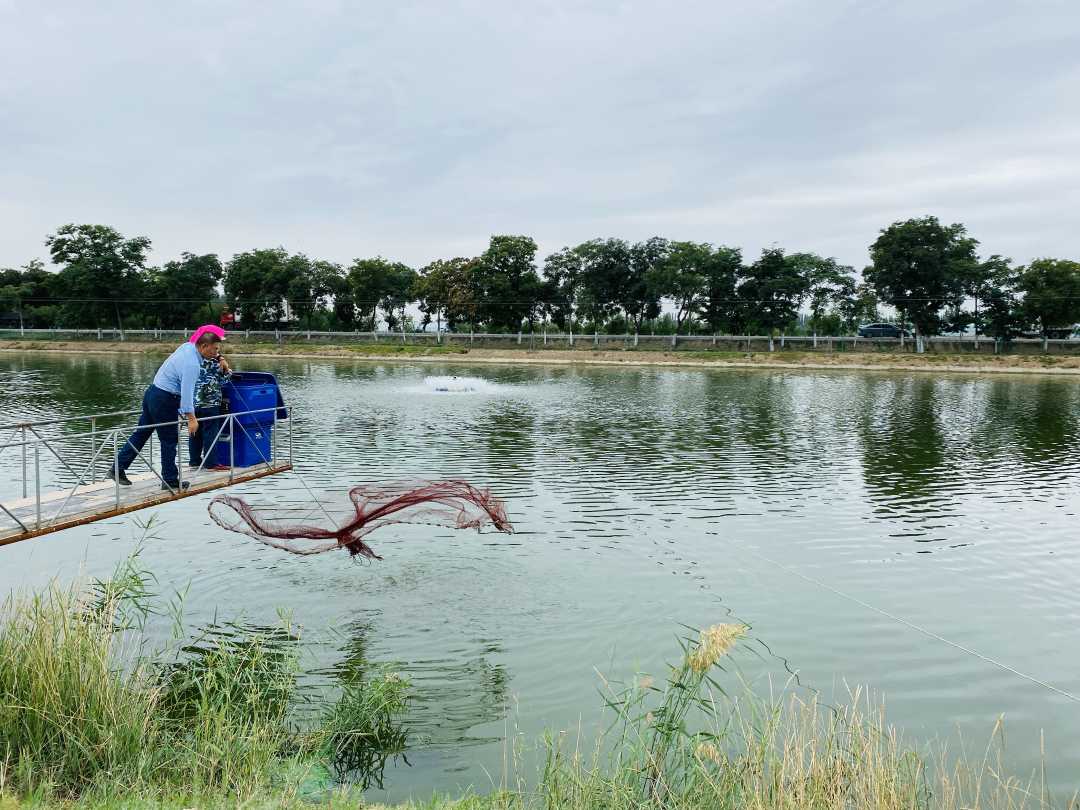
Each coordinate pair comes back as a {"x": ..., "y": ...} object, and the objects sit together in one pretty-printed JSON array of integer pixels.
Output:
[
  {"x": 255, "y": 391},
  {"x": 251, "y": 433}
]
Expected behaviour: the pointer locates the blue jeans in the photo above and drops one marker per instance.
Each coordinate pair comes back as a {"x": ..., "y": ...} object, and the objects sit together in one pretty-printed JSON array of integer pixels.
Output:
[
  {"x": 157, "y": 406},
  {"x": 202, "y": 444}
]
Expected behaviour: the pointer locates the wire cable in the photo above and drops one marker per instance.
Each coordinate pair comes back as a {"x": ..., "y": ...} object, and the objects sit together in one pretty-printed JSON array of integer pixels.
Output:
[{"x": 913, "y": 626}]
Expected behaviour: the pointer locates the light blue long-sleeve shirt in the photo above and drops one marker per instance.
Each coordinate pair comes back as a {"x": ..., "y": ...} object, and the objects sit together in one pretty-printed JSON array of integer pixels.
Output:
[{"x": 179, "y": 374}]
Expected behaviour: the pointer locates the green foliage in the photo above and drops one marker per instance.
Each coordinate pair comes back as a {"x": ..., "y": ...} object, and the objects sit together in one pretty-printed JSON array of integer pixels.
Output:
[
  {"x": 637, "y": 295},
  {"x": 1051, "y": 292},
  {"x": 829, "y": 285},
  {"x": 443, "y": 290},
  {"x": 378, "y": 282},
  {"x": 505, "y": 286},
  {"x": 920, "y": 266},
  {"x": 187, "y": 290},
  {"x": 255, "y": 285},
  {"x": 771, "y": 291},
  {"x": 87, "y": 711},
  {"x": 564, "y": 272},
  {"x": 28, "y": 293},
  {"x": 929, "y": 272},
  {"x": 362, "y": 730},
  {"x": 101, "y": 272},
  {"x": 682, "y": 278},
  {"x": 605, "y": 268}
]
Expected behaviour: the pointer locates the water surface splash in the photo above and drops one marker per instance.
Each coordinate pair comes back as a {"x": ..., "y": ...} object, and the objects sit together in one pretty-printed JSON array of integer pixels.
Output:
[{"x": 459, "y": 385}]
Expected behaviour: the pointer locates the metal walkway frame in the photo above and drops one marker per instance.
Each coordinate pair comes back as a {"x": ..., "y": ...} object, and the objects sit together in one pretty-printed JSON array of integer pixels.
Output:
[{"x": 93, "y": 497}]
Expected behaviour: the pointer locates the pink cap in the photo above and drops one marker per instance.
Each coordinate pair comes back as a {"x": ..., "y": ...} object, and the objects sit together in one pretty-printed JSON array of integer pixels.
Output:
[{"x": 207, "y": 327}]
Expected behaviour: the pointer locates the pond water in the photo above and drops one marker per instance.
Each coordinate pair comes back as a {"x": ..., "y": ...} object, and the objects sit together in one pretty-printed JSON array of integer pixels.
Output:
[{"x": 644, "y": 499}]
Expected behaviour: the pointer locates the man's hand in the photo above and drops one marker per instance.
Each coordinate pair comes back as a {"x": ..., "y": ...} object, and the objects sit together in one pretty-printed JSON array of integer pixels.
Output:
[
  {"x": 225, "y": 366},
  {"x": 192, "y": 424}
]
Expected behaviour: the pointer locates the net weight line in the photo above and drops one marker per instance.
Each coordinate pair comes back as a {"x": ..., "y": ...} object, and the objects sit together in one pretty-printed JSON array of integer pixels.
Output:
[{"x": 900, "y": 619}]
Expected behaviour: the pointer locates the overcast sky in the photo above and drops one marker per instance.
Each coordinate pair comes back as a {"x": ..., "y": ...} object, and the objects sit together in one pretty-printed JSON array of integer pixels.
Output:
[{"x": 417, "y": 130}]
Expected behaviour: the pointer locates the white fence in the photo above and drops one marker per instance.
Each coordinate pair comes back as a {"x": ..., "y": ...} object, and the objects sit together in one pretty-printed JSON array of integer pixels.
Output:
[{"x": 563, "y": 340}]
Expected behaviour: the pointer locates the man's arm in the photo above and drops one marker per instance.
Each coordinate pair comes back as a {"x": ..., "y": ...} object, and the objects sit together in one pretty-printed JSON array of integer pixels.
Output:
[{"x": 188, "y": 377}]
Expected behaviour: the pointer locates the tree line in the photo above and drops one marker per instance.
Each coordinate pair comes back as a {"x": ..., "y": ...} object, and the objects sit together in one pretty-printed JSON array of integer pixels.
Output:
[{"x": 929, "y": 274}]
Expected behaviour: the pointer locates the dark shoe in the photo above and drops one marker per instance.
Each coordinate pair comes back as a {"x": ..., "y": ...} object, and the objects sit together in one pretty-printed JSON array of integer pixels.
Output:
[
  {"x": 175, "y": 485},
  {"x": 122, "y": 478}
]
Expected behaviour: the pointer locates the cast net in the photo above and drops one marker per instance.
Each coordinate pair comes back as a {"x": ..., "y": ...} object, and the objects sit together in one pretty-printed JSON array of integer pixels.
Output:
[{"x": 453, "y": 504}]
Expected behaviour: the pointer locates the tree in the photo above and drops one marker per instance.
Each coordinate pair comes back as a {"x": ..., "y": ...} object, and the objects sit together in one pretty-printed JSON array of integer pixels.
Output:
[
  {"x": 1003, "y": 314},
  {"x": 332, "y": 292},
  {"x": 28, "y": 292},
  {"x": 861, "y": 307},
  {"x": 101, "y": 271},
  {"x": 1051, "y": 290},
  {"x": 375, "y": 282},
  {"x": 505, "y": 285},
  {"x": 637, "y": 295},
  {"x": 988, "y": 280},
  {"x": 681, "y": 277},
  {"x": 396, "y": 295},
  {"x": 918, "y": 267},
  {"x": 183, "y": 291},
  {"x": 605, "y": 269},
  {"x": 563, "y": 272},
  {"x": 772, "y": 289},
  {"x": 256, "y": 285},
  {"x": 719, "y": 305},
  {"x": 443, "y": 290},
  {"x": 829, "y": 285}
]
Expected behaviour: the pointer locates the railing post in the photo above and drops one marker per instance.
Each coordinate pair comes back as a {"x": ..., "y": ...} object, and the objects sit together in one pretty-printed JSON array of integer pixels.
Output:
[
  {"x": 37, "y": 481},
  {"x": 232, "y": 445},
  {"x": 93, "y": 447},
  {"x": 116, "y": 467},
  {"x": 179, "y": 456},
  {"x": 24, "y": 462}
]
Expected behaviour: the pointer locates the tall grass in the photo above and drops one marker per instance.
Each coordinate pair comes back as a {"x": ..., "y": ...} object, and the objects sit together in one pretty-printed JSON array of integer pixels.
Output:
[
  {"x": 694, "y": 742},
  {"x": 86, "y": 712},
  {"x": 68, "y": 713}
]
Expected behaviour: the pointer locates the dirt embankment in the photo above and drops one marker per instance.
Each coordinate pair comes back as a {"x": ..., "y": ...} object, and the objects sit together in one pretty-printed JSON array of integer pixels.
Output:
[{"x": 876, "y": 361}]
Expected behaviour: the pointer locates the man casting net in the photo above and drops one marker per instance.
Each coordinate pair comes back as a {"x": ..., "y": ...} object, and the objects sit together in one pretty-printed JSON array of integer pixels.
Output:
[{"x": 454, "y": 504}]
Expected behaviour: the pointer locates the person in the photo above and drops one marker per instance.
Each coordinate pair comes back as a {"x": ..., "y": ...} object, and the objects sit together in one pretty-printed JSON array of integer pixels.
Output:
[
  {"x": 172, "y": 392},
  {"x": 213, "y": 373}
]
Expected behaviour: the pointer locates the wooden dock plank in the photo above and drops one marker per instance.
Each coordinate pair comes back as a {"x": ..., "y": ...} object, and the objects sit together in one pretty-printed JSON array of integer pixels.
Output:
[{"x": 98, "y": 501}]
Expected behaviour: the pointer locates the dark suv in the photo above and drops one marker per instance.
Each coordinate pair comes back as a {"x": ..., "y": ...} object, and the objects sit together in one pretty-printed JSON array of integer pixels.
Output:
[{"x": 880, "y": 330}]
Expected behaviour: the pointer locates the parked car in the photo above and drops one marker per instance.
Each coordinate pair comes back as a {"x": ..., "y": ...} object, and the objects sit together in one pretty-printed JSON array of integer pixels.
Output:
[{"x": 878, "y": 330}]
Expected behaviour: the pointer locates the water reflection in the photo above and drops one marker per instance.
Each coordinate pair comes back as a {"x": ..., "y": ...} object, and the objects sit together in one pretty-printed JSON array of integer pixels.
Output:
[{"x": 633, "y": 492}]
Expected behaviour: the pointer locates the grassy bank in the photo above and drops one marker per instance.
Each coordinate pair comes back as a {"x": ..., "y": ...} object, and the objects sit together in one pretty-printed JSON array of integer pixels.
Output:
[
  {"x": 90, "y": 713},
  {"x": 89, "y": 717},
  {"x": 718, "y": 358}
]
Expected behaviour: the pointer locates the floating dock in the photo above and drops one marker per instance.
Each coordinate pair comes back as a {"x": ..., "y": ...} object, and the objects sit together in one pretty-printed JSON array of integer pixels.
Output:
[{"x": 65, "y": 451}]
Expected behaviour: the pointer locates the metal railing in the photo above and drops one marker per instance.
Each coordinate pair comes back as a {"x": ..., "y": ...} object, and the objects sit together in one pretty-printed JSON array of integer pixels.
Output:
[
  {"x": 546, "y": 338},
  {"x": 100, "y": 442}
]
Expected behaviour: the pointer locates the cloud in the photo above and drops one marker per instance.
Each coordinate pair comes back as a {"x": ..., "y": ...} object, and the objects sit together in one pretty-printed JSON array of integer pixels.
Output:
[{"x": 416, "y": 130}]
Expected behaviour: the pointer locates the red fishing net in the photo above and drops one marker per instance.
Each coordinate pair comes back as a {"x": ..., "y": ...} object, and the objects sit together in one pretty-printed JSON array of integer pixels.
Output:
[{"x": 454, "y": 504}]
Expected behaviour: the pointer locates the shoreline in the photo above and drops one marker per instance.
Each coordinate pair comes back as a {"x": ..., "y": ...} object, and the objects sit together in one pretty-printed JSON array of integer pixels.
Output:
[{"x": 793, "y": 360}]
